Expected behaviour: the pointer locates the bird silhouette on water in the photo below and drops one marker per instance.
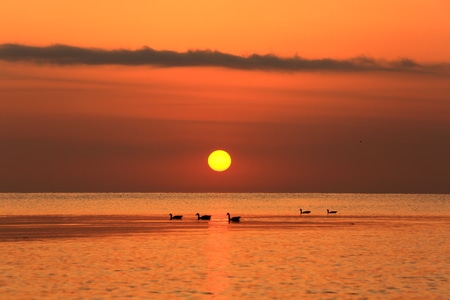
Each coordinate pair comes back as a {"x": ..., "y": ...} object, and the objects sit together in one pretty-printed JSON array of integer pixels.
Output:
[
  {"x": 204, "y": 217},
  {"x": 178, "y": 217},
  {"x": 302, "y": 212},
  {"x": 233, "y": 219}
]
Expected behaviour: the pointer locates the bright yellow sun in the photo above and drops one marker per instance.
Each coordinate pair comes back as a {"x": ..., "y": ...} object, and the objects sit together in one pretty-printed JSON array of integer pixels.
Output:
[{"x": 219, "y": 160}]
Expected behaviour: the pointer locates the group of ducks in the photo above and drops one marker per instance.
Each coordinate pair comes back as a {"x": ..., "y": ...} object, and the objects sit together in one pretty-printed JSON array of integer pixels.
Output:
[
  {"x": 237, "y": 219},
  {"x": 205, "y": 217}
]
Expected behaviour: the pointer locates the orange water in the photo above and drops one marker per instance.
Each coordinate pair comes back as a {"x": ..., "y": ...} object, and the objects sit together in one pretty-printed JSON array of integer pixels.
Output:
[{"x": 364, "y": 252}]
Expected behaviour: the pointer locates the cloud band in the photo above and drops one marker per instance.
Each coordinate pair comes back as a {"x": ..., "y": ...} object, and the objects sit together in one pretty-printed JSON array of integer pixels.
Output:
[{"x": 70, "y": 55}]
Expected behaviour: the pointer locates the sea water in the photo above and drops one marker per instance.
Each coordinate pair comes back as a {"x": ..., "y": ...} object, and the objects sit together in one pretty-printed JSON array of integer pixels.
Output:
[{"x": 117, "y": 246}]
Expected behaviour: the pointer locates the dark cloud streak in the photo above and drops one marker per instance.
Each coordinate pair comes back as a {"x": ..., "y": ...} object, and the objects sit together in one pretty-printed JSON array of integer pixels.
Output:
[{"x": 69, "y": 55}]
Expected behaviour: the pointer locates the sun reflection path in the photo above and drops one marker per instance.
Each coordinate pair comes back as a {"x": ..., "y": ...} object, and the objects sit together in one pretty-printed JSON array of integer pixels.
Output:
[{"x": 218, "y": 259}]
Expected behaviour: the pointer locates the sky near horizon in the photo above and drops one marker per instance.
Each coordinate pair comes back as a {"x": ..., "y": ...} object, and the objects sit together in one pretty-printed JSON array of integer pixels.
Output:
[{"x": 306, "y": 96}]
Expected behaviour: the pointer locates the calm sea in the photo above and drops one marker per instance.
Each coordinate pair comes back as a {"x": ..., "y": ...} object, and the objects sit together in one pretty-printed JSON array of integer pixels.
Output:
[{"x": 117, "y": 246}]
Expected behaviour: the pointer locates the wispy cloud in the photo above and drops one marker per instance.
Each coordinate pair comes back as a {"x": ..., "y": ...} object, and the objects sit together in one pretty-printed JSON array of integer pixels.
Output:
[{"x": 70, "y": 55}]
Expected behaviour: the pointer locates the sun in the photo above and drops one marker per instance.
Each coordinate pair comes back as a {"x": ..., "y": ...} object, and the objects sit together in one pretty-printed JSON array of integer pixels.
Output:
[{"x": 219, "y": 160}]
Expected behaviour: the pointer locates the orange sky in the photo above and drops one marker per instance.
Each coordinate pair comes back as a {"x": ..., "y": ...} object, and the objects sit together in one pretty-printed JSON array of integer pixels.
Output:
[
  {"x": 120, "y": 127},
  {"x": 315, "y": 29}
]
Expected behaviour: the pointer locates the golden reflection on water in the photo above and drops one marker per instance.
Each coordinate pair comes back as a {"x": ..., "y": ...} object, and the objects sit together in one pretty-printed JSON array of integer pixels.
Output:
[{"x": 218, "y": 259}]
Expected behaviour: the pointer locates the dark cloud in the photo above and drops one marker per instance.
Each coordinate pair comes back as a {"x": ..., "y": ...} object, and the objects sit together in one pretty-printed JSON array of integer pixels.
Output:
[{"x": 69, "y": 55}]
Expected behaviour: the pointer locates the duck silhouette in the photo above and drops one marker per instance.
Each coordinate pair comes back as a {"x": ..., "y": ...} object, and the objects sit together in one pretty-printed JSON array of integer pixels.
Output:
[
  {"x": 233, "y": 219},
  {"x": 204, "y": 217},
  {"x": 304, "y": 211},
  {"x": 172, "y": 217}
]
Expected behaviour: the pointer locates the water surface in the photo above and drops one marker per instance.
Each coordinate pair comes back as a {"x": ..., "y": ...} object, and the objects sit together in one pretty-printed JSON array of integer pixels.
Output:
[{"x": 116, "y": 246}]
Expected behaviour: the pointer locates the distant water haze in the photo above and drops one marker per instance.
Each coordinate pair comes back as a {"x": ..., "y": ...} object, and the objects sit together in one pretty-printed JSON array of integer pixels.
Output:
[{"x": 218, "y": 204}]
